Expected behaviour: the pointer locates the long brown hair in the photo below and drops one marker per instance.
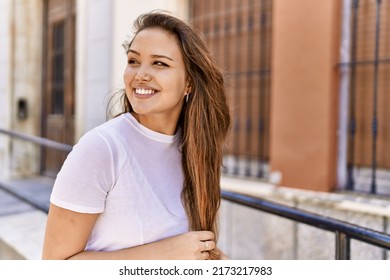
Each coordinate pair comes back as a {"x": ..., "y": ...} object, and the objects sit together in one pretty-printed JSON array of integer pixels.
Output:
[{"x": 204, "y": 122}]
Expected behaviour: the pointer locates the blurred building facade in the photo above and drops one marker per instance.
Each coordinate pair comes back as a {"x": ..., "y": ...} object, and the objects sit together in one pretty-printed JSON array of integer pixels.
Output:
[{"x": 307, "y": 83}]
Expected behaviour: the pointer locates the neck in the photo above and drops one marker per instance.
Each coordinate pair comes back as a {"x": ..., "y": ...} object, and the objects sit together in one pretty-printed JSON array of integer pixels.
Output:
[{"x": 160, "y": 125}]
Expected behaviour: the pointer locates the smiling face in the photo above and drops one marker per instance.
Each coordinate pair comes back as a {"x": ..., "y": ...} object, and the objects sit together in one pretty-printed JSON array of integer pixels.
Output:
[{"x": 155, "y": 79}]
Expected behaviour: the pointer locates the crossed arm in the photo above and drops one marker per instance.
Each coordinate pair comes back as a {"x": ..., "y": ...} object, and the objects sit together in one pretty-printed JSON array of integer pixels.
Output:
[{"x": 67, "y": 233}]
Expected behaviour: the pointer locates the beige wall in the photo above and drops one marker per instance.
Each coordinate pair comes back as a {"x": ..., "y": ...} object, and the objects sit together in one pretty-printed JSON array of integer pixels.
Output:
[
  {"x": 26, "y": 62},
  {"x": 304, "y": 93},
  {"x": 25, "y": 79},
  {"x": 4, "y": 84}
]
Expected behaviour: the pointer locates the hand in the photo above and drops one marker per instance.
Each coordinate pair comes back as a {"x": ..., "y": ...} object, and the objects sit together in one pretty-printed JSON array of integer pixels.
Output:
[{"x": 193, "y": 245}]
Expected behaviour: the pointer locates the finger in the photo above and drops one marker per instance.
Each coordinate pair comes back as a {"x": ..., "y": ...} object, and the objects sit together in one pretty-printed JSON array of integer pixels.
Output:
[
  {"x": 205, "y": 235},
  {"x": 208, "y": 245},
  {"x": 205, "y": 255}
]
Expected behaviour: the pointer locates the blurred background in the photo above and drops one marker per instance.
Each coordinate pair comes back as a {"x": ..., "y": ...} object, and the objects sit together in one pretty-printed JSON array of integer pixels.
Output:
[{"x": 308, "y": 83}]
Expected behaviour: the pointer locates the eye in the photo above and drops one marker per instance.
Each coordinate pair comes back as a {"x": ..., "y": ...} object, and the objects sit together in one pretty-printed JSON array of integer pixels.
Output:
[
  {"x": 160, "y": 64},
  {"x": 132, "y": 61}
]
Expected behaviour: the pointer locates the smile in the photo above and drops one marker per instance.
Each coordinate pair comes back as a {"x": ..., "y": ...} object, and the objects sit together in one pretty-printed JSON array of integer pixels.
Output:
[{"x": 143, "y": 91}]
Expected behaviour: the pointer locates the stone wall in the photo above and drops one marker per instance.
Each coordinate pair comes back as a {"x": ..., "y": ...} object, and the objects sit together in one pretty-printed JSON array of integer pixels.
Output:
[
  {"x": 24, "y": 82},
  {"x": 4, "y": 85}
]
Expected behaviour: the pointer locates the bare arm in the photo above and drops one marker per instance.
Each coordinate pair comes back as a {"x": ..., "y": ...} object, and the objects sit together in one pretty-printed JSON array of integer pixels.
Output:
[{"x": 67, "y": 233}]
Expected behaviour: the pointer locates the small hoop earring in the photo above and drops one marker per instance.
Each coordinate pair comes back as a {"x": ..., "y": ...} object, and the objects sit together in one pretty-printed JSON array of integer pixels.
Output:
[{"x": 187, "y": 96}]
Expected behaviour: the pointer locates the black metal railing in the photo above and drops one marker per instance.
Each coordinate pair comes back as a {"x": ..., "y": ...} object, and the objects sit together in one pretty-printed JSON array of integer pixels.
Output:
[
  {"x": 344, "y": 231},
  {"x": 43, "y": 142},
  {"x": 37, "y": 140}
]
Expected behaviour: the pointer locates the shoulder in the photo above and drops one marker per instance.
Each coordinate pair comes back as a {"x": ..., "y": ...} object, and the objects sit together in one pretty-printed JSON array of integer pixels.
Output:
[
  {"x": 96, "y": 157},
  {"x": 108, "y": 133},
  {"x": 109, "y": 143}
]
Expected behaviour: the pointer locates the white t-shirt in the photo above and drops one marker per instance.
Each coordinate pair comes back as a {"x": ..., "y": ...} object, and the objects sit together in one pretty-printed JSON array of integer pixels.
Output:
[{"x": 129, "y": 174}]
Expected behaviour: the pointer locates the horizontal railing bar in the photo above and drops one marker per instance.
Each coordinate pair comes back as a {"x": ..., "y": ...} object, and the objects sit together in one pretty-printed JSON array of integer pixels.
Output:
[
  {"x": 326, "y": 223},
  {"x": 26, "y": 198},
  {"x": 38, "y": 140}
]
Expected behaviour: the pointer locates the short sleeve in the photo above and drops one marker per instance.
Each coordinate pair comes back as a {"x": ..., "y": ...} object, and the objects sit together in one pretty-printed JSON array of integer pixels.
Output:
[{"x": 86, "y": 176}]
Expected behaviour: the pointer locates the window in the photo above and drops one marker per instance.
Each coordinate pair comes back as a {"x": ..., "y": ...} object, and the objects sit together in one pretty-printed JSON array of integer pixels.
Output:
[
  {"x": 368, "y": 141},
  {"x": 238, "y": 34},
  {"x": 58, "y": 67}
]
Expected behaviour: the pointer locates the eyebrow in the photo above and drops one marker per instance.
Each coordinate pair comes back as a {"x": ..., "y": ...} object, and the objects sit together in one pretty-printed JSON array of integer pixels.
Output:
[{"x": 153, "y": 55}]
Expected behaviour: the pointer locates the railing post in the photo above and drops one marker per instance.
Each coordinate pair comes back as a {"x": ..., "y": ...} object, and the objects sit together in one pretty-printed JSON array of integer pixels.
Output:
[{"x": 343, "y": 246}]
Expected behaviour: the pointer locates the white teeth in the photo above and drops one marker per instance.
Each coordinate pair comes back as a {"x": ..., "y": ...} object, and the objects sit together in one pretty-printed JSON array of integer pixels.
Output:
[{"x": 144, "y": 91}]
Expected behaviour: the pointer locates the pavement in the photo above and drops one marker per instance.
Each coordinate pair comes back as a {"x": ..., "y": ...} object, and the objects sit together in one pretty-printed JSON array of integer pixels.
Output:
[{"x": 23, "y": 212}]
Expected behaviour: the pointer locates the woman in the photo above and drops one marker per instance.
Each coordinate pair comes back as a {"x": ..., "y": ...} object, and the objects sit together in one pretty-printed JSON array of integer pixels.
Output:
[{"x": 145, "y": 185}]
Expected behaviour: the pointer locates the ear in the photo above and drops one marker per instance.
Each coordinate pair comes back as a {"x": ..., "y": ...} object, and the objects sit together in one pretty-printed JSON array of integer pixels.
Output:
[{"x": 189, "y": 87}]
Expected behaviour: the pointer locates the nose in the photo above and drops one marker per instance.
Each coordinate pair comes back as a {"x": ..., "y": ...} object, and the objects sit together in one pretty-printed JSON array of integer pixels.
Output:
[{"x": 143, "y": 75}]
